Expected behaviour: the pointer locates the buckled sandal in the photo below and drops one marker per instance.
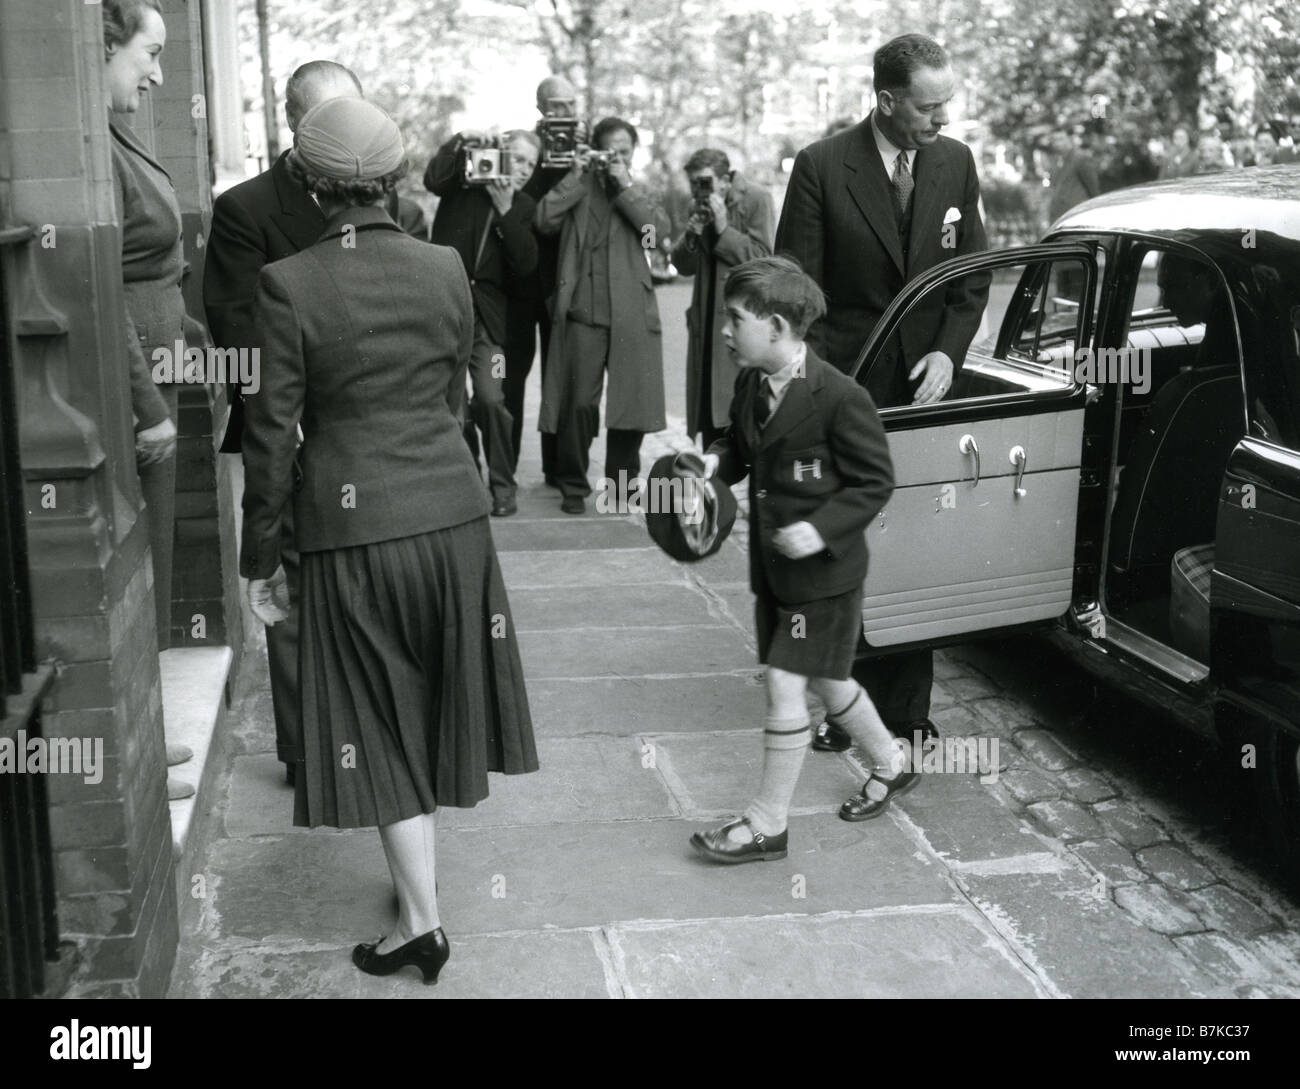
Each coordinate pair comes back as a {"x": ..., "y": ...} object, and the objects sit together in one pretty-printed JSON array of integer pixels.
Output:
[
  {"x": 862, "y": 808},
  {"x": 717, "y": 847}
]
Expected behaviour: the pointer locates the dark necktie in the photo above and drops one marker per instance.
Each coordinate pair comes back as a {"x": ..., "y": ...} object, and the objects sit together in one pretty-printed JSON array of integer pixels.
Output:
[
  {"x": 902, "y": 182},
  {"x": 763, "y": 404}
]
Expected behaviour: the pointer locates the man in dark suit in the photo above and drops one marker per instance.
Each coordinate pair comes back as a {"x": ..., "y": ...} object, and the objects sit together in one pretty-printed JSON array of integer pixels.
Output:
[
  {"x": 867, "y": 210},
  {"x": 491, "y": 227},
  {"x": 258, "y": 221},
  {"x": 531, "y": 315}
]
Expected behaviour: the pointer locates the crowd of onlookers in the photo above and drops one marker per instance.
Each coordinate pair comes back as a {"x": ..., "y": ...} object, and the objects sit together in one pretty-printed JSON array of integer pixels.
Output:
[{"x": 1208, "y": 152}]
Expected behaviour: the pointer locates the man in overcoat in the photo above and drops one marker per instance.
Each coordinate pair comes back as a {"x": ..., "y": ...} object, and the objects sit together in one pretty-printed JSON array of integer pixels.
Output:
[
  {"x": 604, "y": 316},
  {"x": 736, "y": 228}
]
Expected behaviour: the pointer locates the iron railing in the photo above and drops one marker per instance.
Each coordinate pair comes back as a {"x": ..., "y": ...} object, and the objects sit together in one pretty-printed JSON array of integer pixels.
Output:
[{"x": 29, "y": 930}]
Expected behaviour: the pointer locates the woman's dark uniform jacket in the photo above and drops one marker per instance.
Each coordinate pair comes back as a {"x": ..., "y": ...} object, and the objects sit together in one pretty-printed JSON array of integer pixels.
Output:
[
  {"x": 374, "y": 370},
  {"x": 822, "y": 458}
]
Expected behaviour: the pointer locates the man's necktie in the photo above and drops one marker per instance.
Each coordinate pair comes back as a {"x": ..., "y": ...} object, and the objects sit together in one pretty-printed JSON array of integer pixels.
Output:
[
  {"x": 903, "y": 183},
  {"x": 763, "y": 403}
]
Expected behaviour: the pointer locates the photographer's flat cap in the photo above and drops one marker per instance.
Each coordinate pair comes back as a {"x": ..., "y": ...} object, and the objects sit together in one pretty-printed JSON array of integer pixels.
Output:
[
  {"x": 697, "y": 532},
  {"x": 349, "y": 139}
]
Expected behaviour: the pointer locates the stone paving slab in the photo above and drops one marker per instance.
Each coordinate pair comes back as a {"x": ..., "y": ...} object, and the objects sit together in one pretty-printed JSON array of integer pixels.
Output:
[
  {"x": 971, "y": 831},
  {"x": 633, "y": 652},
  {"x": 716, "y": 774},
  {"x": 546, "y": 964},
  {"x": 1086, "y": 945},
  {"x": 618, "y": 567},
  {"x": 328, "y": 888},
  {"x": 589, "y": 778},
  {"x": 628, "y": 607},
  {"x": 566, "y": 532},
  {"x": 628, "y": 706},
  {"x": 916, "y": 954}
]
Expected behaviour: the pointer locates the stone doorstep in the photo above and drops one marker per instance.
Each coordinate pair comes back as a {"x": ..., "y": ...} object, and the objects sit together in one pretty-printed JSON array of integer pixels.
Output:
[{"x": 194, "y": 707}]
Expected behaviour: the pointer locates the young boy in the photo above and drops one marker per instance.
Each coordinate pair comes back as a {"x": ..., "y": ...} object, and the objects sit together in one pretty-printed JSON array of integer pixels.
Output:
[{"x": 810, "y": 441}]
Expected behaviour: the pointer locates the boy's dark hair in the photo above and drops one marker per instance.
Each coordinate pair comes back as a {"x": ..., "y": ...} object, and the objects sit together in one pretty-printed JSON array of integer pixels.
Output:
[
  {"x": 607, "y": 125},
  {"x": 776, "y": 285}
]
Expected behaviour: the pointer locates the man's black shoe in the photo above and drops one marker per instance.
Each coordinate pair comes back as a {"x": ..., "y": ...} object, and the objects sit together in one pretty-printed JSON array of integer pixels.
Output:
[
  {"x": 573, "y": 504},
  {"x": 831, "y": 738},
  {"x": 504, "y": 508},
  {"x": 922, "y": 726}
]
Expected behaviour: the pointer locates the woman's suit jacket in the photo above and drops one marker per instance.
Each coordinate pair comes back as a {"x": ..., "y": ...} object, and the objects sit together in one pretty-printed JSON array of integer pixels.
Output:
[{"x": 367, "y": 336}]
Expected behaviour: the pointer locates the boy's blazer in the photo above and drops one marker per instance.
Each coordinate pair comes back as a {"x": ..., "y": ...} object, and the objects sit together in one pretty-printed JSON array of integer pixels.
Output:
[
  {"x": 367, "y": 338},
  {"x": 822, "y": 458}
]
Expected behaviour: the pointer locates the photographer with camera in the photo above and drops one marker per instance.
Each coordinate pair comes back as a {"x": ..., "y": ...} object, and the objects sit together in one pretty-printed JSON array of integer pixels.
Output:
[
  {"x": 604, "y": 314},
  {"x": 731, "y": 222},
  {"x": 484, "y": 216},
  {"x": 558, "y": 134}
]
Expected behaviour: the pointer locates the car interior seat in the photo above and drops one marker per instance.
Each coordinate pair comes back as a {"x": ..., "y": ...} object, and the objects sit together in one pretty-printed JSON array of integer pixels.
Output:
[{"x": 1168, "y": 492}]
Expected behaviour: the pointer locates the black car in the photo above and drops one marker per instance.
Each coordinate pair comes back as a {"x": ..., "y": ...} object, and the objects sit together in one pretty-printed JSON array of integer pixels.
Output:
[{"x": 1119, "y": 461}]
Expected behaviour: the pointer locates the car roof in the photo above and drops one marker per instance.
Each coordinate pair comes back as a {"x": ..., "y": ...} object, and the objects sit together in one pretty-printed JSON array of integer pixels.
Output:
[{"x": 1263, "y": 198}]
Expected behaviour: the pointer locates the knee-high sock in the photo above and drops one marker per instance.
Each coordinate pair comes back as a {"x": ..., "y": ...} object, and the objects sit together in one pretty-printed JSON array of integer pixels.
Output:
[
  {"x": 785, "y": 744},
  {"x": 863, "y": 723}
]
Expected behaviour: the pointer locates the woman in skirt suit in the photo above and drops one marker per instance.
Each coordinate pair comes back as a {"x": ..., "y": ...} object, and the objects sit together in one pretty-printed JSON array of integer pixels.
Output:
[{"x": 410, "y": 680}]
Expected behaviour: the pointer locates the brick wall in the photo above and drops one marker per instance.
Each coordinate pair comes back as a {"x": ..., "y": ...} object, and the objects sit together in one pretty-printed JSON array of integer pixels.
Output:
[{"x": 92, "y": 581}]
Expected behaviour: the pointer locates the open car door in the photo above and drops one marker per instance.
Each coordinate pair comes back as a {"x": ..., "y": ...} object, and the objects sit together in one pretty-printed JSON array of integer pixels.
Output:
[{"x": 979, "y": 534}]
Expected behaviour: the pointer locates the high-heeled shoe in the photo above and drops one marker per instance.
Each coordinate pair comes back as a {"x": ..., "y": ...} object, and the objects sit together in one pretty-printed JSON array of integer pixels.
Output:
[{"x": 428, "y": 952}]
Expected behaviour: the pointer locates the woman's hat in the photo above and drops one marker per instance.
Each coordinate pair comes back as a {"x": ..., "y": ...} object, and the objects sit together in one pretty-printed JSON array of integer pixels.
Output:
[
  {"x": 349, "y": 139},
  {"x": 687, "y": 516}
]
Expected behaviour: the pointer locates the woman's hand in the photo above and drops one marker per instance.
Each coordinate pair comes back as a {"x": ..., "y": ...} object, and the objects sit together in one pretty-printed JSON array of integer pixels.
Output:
[
  {"x": 154, "y": 444},
  {"x": 269, "y": 598}
]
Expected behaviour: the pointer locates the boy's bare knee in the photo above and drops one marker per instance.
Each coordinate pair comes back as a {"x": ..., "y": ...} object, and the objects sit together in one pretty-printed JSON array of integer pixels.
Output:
[
  {"x": 785, "y": 693},
  {"x": 835, "y": 695}
]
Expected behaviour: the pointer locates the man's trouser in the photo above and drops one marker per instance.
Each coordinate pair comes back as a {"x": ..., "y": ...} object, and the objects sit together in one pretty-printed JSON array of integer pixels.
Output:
[
  {"x": 587, "y": 353},
  {"x": 490, "y": 415},
  {"x": 282, "y": 655}
]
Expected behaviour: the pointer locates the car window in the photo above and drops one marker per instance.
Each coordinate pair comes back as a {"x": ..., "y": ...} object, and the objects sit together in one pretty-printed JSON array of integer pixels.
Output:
[{"x": 1023, "y": 340}]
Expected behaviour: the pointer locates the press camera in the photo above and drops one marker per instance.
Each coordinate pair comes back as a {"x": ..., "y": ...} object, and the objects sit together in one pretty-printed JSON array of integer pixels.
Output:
[
  {"x": 560, "y": 138},
  {"x": 485, "y": 164}
]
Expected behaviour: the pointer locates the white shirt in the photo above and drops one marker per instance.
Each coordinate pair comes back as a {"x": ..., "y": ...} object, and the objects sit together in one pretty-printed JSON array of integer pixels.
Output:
[
  {"x": 779, "y": 382},
  {"x": 889, "y": 153}
]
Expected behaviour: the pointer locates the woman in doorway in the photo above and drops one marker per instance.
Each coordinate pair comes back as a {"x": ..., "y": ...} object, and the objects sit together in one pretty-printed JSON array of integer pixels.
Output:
[
  {"x": 152, "y": 264},
  {"x": 409, "y": 674}
]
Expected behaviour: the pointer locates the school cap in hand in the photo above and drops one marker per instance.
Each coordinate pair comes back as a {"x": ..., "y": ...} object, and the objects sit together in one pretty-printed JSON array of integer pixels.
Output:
[{"x": 687, "y": 516}]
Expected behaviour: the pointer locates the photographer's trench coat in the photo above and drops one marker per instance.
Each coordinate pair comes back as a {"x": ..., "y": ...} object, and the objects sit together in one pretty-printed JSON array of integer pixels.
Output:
[{"x": 634, "y": 395}]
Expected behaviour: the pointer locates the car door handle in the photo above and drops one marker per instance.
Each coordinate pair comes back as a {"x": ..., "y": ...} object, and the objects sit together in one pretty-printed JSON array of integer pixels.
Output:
[
  {"x": 1018, "y": 458},
  {"x": 970, "y": 447}
]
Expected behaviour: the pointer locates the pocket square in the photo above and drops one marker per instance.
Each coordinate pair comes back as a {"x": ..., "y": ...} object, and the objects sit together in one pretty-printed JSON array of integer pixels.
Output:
[{"x": 951, "y": 215}]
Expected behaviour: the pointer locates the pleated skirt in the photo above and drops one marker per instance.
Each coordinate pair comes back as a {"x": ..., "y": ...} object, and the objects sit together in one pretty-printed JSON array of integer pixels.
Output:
[{"x": 412, "y": 688}]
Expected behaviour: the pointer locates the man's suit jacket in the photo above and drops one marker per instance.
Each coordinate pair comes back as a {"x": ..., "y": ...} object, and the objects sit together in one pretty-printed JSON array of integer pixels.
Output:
[
  {"x": 494, "y": 249},
  {"x": 1074, "y": 182},
  {"x": 367, "y": 338},
  {"x": 822, "y": 458},
  {"x": 258, "y": 221},
  {"x": 839, "y": 223}
]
